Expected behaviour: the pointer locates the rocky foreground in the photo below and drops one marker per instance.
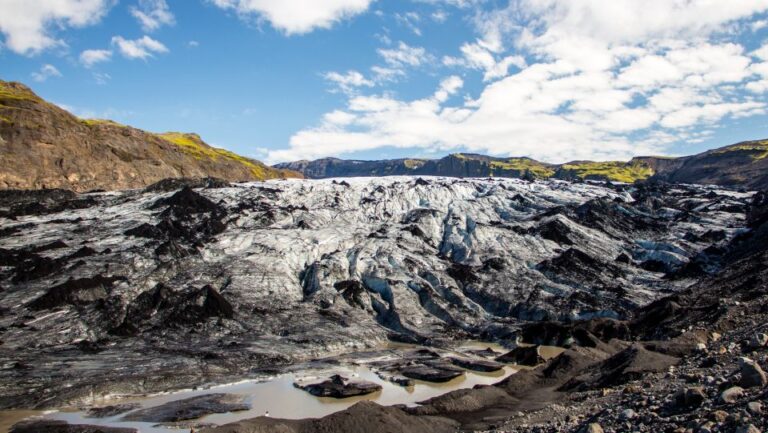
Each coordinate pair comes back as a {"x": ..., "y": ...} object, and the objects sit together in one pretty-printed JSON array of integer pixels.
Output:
[{"x": 656, "y": 291}]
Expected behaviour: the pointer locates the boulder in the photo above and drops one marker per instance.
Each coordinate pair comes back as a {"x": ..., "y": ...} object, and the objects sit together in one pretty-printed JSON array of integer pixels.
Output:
[
  {"x": 339, "y": 387},
  {"x": 732, "y": 395},
  {"x": 476, "y": 364},
  {"x": 690, "y": 397},
  {"x": 751, "y": 374},
  {"x": 430, "y": 374},
  {"x": 529, "y": 356}
]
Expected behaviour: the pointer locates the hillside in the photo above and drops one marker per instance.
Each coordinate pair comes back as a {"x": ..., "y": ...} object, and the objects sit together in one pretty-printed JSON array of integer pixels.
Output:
[
  {"x": 44, "y": 146},
  {"x": 739, "y": 165}
]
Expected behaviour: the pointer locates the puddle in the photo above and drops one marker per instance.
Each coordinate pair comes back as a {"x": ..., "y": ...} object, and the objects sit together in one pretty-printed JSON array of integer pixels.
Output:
[
  {"x": 281, "y": 399},
  {"x": 10, "y": 417}
]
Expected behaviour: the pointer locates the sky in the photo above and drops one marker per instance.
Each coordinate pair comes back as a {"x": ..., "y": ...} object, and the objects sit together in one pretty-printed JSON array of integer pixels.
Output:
[{"x": 283, "y": 80}]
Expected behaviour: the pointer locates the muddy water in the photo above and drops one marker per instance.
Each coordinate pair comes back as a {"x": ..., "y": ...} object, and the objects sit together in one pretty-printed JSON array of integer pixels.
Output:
[
  {"x": 278, "y": 397},
  {"x": 10, "y": 417}
]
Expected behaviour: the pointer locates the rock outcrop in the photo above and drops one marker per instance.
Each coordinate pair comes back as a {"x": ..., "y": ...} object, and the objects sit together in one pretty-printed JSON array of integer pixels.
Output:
[{"x": 44, "y": 146}]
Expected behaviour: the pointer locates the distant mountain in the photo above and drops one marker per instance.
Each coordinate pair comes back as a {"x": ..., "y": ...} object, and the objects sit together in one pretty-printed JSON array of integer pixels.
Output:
[
  {"x": 44, "y": 146},
  {"x": 739, "y": 165}
]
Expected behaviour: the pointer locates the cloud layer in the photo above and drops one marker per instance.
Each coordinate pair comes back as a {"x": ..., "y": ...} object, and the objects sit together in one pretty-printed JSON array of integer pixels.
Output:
[
  {"x": 30, "y": 26},
  {"x": 569, "y": 79},
  {"x": 297, "y": 16}
]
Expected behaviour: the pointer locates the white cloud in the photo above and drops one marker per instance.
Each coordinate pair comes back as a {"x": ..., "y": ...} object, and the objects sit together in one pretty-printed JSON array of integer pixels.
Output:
[
  {"x": 602, "y": 80},
  {"x": 348, "y": 82},
  {"x": 29, "y": 25},
  {"x": 152, "y": 14},
  {"x": 448, "y": 87},
  {"x": 409, "y": 20},
  {"x": 45, "y": 72},
  {"x": 758, "y": 25},
  {"x": 439, "y": 16},
  {"x": 477, "y": 56},
  {"x": 101, "y": 78},
  {"x": 403, "y": 55},
  {"x": 91, "y": 57},
  {"x": 382, "y": 74},
  {"x": 138, "y": 48},
  {"x": 297, "y": 16}
]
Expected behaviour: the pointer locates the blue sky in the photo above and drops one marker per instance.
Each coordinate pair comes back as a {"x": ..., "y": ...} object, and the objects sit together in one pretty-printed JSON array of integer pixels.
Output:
[{"x": 301, "y": 79}]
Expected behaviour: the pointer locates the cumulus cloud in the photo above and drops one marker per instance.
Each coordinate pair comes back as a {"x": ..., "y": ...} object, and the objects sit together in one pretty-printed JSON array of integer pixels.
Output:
[
  {"x": 45, "y": 72},
  {"x": 152, "y": 14},
  {"x": 297, "y": 16},
  {"x": 348, "y": 82},
  {"x": 478, "y": 56},
  {"x": 592, "y": 80},
  {"x": 141, "y": 48},
  {"x": 30, "y": 26},
  {"x": 91, "y": 57},
  {"x": 403, "y": 55}
]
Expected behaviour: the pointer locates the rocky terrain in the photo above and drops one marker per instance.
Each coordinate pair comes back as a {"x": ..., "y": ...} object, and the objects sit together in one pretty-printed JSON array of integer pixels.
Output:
[
  {"x": 181, "y": 284},
  {"x": 44, "y": 146},
  {"x": 742, "y": 165},
  {"x": 692, "y": 362}
]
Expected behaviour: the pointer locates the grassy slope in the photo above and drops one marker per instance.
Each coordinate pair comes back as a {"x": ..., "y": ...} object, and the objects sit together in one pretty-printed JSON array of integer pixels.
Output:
[
  {"x": 612, "y": 170},
  {"x": 194, "y": 145}
]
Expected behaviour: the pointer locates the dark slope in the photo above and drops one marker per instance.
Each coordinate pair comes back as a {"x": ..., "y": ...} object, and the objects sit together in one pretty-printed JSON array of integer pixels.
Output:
[{"x": 742, "y": 165}]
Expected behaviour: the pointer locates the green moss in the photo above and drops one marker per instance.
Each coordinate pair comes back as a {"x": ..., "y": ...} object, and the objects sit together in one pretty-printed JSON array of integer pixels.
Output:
[
  {"x": 759, "y": 149},
  {"x": 193, "y": 145},
  {"x": 97, "y": 122},
  {"x": 413, "y": 164},
  {"x": 611, "y": 170},
  {"x": 522, "y": 165},
  {"x": 16, "y": 92}
]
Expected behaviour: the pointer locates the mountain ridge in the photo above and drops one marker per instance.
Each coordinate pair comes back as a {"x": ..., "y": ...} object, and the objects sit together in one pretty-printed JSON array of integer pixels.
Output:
[
  {"x": 44, "y": 146},
  {"x": 742, "y": 164}
]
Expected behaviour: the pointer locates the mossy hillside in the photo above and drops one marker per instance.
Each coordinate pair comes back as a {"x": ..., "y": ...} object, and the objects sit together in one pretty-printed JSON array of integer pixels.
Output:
[
  {"x": 413, "y": 164},
  {"x": 10, "y": 92},
  {"x": 611, "y": 170},
  {"x": 101, "y": 122},
  {"x": 193, "y": 145},
  {"x": 758, "y": 149},
  {"x": 524, "y": 165}
]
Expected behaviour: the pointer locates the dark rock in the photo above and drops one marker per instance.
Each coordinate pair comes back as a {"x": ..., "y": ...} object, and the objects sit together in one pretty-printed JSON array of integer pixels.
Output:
[
  {"x": 110, "y": 411},
  {"x": 48, "y": 426},
  {"x": 172, "y": 184},
  {"x": 751, "y": 374},
  {"x": 339, "y": 387},
  {"x": 365, "y": 417},
  {"x": 75, "y": 292},
  {"x": 476, "y": 364},
  {"x": 630, "y": 364},
  {"x": 523, "y": 355},
  {"x": 190, "y": 408},
  {"x": 690, "y": 397},
  {"x": 429, "y": 373}
]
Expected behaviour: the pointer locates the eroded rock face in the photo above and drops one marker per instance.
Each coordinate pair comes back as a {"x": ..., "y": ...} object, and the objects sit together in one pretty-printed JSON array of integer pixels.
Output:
[{"x": 239, "y": 277}]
